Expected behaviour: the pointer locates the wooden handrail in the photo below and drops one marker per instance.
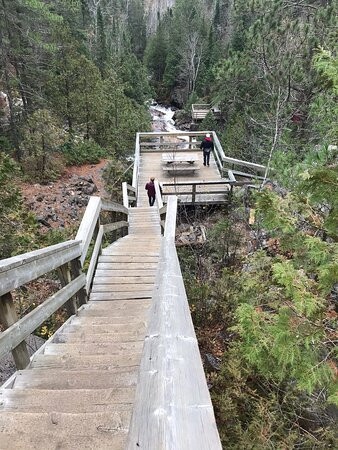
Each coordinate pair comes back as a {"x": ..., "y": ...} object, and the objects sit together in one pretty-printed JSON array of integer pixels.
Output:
[
  {"x": 108, "y": 205},
  {"x": 136, "y": 164},
  {"x": 21, "y": 269},
  {"x": 173, "y": 409},
  {"x": 19, "y": 331},
  {"x": 158, "y": 197},
  {"x": 88, "y": 225}
]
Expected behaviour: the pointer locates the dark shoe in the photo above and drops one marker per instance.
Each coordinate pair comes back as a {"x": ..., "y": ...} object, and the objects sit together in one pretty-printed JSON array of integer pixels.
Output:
[
  {"x": 204, "y": 164},
  {"x": 208, "y": 165}
]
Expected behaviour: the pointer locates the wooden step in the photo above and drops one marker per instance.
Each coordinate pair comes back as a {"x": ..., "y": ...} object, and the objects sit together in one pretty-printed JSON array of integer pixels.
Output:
[
  {"x": 111, "y": 295},
  {"x": 117, "y": 305},
  {"x": 90, "y": 337},
  {"x": 75, "y": 379},
  {"x": 84, "y": 362},
  {"x": 101, "y": 279},
  {"x": 137, "y": 328},
  {"x": 128, "y": 259},
  {"x": 93, "y": 349},
  {"x": 59, "y": 427},
  {"x": 138, "y": 321},
  {"x": 67, "y": 401},
  {"x": 125, "y": 273},
  {"x": 129, "y": 266},
  {"x": 124, "y": 308},
  {"x": 98, "y": 287},
  {"x": 28, "y": 440}
]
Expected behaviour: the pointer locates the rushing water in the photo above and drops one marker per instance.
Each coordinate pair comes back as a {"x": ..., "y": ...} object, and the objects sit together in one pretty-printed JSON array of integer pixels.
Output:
[{"x": 162, "y": 118}]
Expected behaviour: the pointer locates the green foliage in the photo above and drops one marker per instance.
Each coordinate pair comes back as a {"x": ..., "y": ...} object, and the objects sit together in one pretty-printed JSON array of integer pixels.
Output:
[
  {"x": 85, "y": 152},
  {"x": 42, "y": 137},
  {"x": 17, "y": 225},
  {"x": 115, "y": 172}
]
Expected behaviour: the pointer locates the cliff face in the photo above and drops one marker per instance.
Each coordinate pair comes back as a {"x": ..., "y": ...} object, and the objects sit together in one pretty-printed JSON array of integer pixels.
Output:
[{"x": 155, "y": 10}]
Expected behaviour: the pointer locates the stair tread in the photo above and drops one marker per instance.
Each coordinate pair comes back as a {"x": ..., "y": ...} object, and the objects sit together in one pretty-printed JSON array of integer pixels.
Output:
[
  {"x": 72, "y": 401},
  {"x": 82, "y": 362},
  {"x": 75, "y": 379}
]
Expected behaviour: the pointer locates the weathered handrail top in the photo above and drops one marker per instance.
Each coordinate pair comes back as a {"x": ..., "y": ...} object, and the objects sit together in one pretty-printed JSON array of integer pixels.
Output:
[
  {"x": 206, "y": 183},
  {"x": 26, "y": 258},
  {"x": 152, "y": 134},
  {"x": 173, "y": 409},
  {"x": 240, "y": 162}
]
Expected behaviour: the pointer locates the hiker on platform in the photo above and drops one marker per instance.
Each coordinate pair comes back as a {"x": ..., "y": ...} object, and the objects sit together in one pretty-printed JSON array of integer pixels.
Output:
[
  {"x": 207, "y": 146},
  {"x": 150, "y": 188}
]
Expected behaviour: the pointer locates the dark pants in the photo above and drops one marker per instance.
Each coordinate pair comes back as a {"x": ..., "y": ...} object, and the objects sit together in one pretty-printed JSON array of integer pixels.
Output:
[
  {"x": 206, "y": 158},
  {"x": 151, "y": 200}
]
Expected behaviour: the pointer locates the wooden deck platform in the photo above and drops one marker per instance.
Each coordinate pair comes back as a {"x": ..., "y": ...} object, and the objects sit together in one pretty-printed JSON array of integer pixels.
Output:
[{"x": 151, "y": 165}]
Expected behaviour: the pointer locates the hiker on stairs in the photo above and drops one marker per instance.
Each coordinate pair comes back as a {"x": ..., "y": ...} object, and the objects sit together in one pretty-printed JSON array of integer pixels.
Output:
[{"x": 150, "y": 188}]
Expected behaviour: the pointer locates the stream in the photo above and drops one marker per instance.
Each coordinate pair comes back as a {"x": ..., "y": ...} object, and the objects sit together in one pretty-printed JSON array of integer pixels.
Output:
[{"x": 162, "y": 118}]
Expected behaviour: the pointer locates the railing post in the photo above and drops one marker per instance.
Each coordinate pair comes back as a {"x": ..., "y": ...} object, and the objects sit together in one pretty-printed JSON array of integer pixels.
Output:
[
  {"x": 8, "y": 317},
  {"x": 66, "y": 277},
  {"x": 193, "y": 197},
  {"x": 76, "y": 272},
  {"x": 125, "y": 194}
]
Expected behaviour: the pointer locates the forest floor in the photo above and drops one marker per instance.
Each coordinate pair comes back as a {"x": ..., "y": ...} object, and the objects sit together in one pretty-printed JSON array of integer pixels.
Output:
[{"x": 60, "y": 204}]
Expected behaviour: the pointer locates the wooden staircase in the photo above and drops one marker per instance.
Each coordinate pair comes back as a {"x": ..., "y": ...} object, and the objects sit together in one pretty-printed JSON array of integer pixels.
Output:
[{"x": 78, "y": 391}]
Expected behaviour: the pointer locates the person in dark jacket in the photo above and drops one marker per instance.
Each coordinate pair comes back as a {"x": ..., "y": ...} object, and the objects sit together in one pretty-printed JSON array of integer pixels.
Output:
[
  {"x": 207, "y": 146},
  {"x": 150, "y": 188}
]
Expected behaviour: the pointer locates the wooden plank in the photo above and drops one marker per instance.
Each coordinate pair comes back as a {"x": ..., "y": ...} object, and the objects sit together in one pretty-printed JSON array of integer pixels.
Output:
[
  {"x": 102, "y": 296},
  {"x": 131, "y": 188},
  {"x": 125, "y": 272},
  {"x": 129, "y": 266},
  {"x": 18, "y": 270},
  {"x": 9, "y": 317},
  {"x": 239, "y": 162},
  {"x": 170, "y": 224},
  {"x": 114, "y": 226},
  {"x": 125, "y": 195},
  {"x": 88, "y": 225},
  {"x": 136, "y": 162},
  {"x": 247, "y": 175},
  {"x": 108, "y": 205},
  {"x": 231, "y": 176},
  {"x": 128, "y": 259},
  {"x": 94, "y": 258},
  {"x": 99, "y": 287},
  {"x": 66, "y": 277},
  {"x": 114, "y": 279},
  {"x": 159, "y": 200},
  {"x": 153, "y": 134},
  {"x": 20, "y": 330},
  {"x": 120, "y": 252}
]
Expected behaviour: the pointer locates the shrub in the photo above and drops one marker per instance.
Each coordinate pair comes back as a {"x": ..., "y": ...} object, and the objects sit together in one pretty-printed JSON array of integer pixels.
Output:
[{"x": 86, "y": 152}]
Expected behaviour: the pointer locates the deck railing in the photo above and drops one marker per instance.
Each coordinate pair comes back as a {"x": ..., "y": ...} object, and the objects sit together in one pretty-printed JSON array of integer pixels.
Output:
[
  {"x": 172, "y": 409},
  {"x": 67, "y": 259},
  {"x": 193, "y": 139}
]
